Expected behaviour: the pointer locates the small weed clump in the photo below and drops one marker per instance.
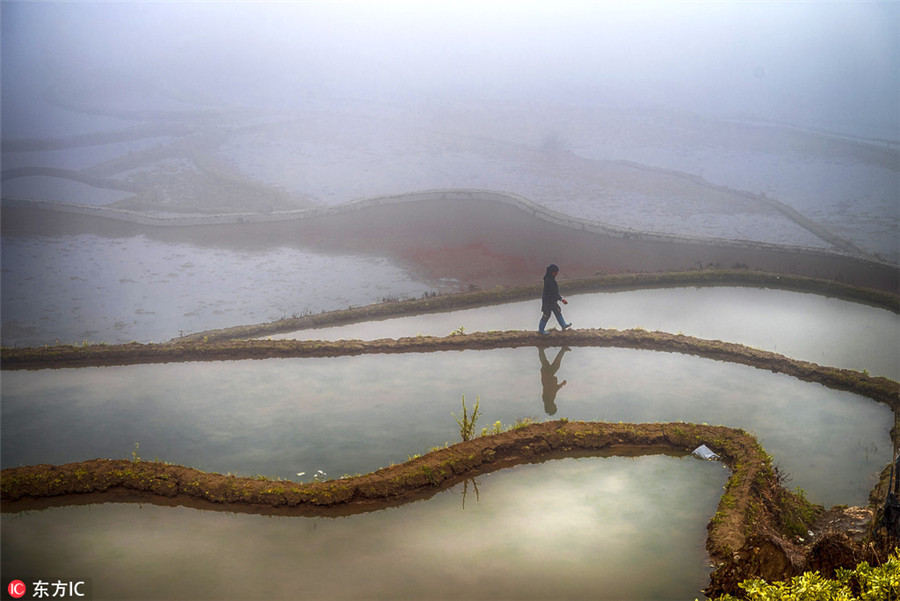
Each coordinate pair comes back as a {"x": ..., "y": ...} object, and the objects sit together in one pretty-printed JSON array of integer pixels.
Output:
[
  {"x": 467, "y": 423},
  {"x": 497, "y": 428},
  {"x": 522, "y": 423}
]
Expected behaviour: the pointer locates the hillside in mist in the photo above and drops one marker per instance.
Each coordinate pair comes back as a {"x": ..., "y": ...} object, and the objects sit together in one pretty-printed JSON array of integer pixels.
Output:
[
  {"x": 260, "y": 107},
  {"x": 769, "y": 123}
]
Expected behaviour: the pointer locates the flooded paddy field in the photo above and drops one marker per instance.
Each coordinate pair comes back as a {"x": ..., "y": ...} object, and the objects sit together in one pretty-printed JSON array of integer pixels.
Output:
[
  {"x": 350, "y": 415},
  {"x": 768, "y": 159},
  {"x": 291, "y": 418},
  {"x": 640, "y": 169},
  {"x": 71, "y": 279},
  {"x": 802, "y": 326},
  {"x": 85, "y": 287},
  {"x": 536, "y": 531}
]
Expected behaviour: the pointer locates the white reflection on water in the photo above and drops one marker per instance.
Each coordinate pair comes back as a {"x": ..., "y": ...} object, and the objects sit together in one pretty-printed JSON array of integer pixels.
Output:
[
  {"x": 598, "y": 528},
  {"x": 803, "y": 326},
  {"x": 352, "y": 415}
]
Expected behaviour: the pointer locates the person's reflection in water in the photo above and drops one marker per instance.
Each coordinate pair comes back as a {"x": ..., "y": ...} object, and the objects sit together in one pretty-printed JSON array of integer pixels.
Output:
[{"x": 548, "y": 378}]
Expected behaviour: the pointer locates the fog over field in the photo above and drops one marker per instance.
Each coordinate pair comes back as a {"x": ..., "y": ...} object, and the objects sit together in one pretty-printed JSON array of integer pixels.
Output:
[
  {"x": 170, "y": 168},
  {"x": 769, "y": 122},
  {"x": 813, "y": 64}
]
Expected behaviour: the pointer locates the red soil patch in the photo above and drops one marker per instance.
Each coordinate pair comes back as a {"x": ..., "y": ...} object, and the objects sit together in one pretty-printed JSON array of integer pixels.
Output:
[{"x": 438, "y": 237}]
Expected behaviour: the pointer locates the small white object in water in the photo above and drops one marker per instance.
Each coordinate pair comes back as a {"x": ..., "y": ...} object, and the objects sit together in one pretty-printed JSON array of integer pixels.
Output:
[
  {"x": 301, "y": 473},
  {"x": 704, "y": 452}
]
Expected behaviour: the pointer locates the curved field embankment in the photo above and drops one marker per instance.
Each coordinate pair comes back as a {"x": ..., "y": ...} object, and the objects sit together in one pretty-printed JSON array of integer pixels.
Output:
[
  {"x": 754, "y": 503},
  {"x": 752, "y": 534},
  {"x": 475, "y": 237},
  {"x": 783, "y": 208},
  {"x": 878, "y": 388},
  {"x": 597, "y": 283}
]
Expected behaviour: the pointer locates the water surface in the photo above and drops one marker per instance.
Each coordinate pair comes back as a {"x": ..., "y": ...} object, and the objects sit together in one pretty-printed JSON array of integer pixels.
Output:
[
  {"x": 598, "y": 528},
  {"x": 72, "y": 289},
  {"x": 803, "y": 326},
  {"x": 351, "y": 415}
]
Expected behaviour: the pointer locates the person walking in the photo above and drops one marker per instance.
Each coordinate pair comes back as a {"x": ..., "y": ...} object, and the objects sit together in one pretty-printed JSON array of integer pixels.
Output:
[{"x": 551, "y": 299}]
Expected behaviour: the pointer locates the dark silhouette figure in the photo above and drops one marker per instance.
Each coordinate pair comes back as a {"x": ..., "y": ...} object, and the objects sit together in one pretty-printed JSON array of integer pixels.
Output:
[
  {"x": 549, "y": 380},
  {"x": 550, "y": 300}
]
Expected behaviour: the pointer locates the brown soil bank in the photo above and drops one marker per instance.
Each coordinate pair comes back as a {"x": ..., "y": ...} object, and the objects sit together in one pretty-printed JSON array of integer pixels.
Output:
[
  {"x": 755, "y": 511},
  {"x": 879, "y": 388},
  {"x": 478, "y": 238},
  {"x": 597, "y": 283},
  {"x": 753, "y": 534}
]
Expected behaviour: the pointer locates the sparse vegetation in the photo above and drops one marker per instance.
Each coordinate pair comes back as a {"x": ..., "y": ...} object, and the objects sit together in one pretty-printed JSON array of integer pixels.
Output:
[
  {"x": 497, "y": 428},
  {"x": 864, "y": 583},
  {"x": 755, "y": 497},
  {"x": 754, "y": 501},
  {"x": 465, "y": 421}
]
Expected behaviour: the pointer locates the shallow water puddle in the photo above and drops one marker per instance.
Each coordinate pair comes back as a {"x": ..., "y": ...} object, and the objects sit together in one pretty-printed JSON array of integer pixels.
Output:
[
  {"x": 353, "y": 415},
  {"x": 599, "y": 528},
  {"x": 802, "y": 326}
]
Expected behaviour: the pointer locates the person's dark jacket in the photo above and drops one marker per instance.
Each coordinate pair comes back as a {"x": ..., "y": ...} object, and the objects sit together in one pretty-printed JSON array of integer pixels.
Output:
[{"x": 551, "y": 297}]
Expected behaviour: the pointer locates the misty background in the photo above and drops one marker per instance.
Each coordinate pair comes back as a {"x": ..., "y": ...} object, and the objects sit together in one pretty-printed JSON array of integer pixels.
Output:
[
  {"x": 676, "y": 117},
  {"x": 829, "y": 65}
]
